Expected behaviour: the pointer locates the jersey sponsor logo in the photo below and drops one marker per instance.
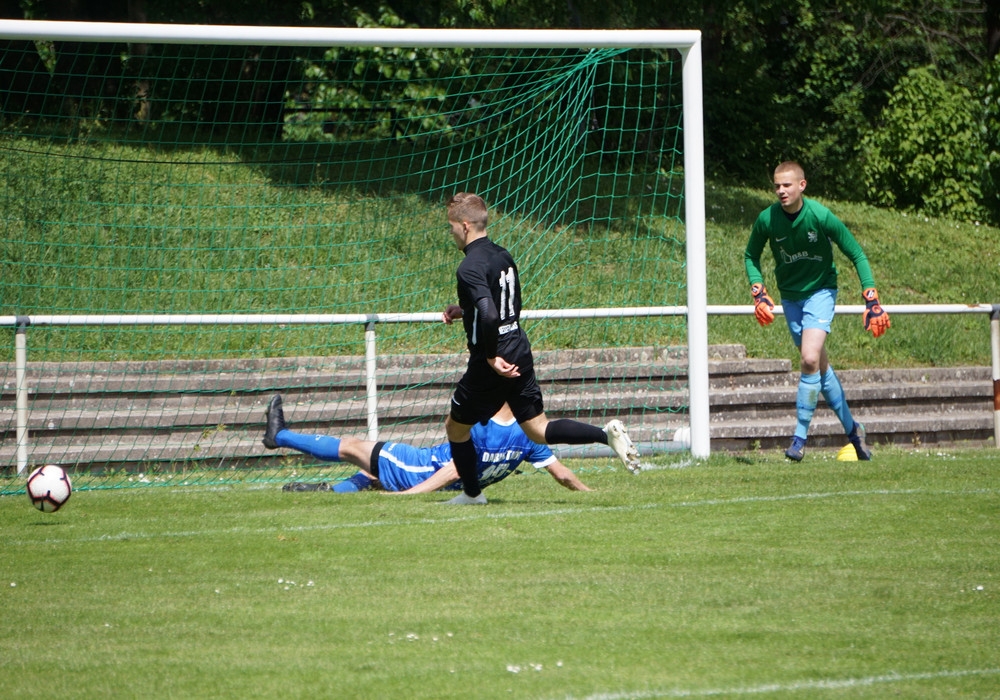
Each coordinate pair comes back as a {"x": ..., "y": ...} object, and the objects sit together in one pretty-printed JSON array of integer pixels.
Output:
[
  {"x": 508, "y": 328},
  {"x": 505, "y": 456},
  {"x": 789, "y": 258}
]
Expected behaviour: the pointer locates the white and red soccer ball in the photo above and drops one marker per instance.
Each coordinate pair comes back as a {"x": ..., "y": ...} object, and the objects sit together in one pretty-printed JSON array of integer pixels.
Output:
[{"x": 49, "y": 488}]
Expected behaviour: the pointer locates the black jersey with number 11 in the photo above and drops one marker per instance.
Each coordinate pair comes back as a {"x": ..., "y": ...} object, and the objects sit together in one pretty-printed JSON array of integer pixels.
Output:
[{"x": 489, "y": 271}]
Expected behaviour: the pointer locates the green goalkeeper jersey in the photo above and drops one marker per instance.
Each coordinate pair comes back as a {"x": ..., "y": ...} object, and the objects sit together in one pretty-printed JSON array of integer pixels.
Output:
[{"x": 803, "y": 250}]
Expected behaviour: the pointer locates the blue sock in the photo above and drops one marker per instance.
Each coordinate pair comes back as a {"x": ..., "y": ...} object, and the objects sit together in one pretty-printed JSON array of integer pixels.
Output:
[
  {"x": 805, "y": 403},
  {"x": 319, "y": 446},
  {"x": 358, "y": 482},
  {"x": 833, "y": 392}
]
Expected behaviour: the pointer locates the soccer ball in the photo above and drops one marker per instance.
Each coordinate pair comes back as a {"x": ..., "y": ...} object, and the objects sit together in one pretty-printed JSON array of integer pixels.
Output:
[{"x": 49, "y": 488}]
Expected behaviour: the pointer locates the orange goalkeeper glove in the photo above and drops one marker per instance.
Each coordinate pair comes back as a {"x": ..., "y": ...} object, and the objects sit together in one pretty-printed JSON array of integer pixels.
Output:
[
  {"x": 875, "y": 317},
  {"x": 763, "y": 305}
]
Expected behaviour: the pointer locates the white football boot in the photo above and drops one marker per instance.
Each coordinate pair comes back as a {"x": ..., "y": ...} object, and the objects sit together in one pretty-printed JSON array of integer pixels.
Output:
[{"x": 621, "y": 443}]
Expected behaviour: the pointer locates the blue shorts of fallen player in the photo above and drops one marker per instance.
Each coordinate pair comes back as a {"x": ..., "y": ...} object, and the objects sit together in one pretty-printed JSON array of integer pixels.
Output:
[{"x": 401, "y": 466}]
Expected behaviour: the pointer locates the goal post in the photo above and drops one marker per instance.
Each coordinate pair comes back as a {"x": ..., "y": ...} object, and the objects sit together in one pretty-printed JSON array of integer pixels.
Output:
[{"x": 219, "y": 171}]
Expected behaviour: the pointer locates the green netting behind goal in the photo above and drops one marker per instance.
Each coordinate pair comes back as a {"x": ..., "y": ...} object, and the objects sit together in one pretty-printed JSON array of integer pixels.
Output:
[{"x": 176, "y": 179}]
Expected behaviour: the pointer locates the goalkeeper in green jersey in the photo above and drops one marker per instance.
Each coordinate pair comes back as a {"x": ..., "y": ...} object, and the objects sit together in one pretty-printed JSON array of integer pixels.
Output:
[{"x": 801, "y": 234}]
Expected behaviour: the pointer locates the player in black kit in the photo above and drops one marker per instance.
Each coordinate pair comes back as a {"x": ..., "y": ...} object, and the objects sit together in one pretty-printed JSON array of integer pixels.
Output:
[{"x": 501, "y": 367}]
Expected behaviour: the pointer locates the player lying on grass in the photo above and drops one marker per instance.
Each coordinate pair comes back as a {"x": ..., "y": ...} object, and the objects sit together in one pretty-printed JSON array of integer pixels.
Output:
[{"x": 500, "y": 445}]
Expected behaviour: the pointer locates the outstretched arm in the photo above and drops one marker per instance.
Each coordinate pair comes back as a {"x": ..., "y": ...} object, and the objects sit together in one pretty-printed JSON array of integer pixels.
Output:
[
  {"x": 875, "y": 318},
  {"x": 561, "y": 473},
  {"x": 445, "y": 476}
]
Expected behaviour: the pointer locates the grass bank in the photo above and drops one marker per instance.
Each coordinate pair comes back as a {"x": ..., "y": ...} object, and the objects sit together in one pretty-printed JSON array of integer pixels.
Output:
[{"x": 102, "y": 228}]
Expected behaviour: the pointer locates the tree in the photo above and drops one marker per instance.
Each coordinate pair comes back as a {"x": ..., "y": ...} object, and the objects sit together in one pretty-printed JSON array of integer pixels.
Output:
[
  {"x": 928, "y": 154},
  {"x": 992, "y": 15},
  {"x": 782, "y": 80}
]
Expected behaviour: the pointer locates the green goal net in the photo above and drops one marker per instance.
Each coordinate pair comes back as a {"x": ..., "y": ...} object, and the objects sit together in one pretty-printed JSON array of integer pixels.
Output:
[{"x": 191, "y": 227}]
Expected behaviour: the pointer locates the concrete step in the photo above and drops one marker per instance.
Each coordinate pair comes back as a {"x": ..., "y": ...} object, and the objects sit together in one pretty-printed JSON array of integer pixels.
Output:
[
  {"x": 123, "y": 411},
  {"x": 224, "y": 444},
  {"x": 173, "y": 411},
  {"x": 749, "y": 404},
  {"x": 86, "y": 383}
]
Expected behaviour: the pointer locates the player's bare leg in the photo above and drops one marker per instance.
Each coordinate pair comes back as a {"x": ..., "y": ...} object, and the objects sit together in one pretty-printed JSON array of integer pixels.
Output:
[{"x": 813, "y": 360}]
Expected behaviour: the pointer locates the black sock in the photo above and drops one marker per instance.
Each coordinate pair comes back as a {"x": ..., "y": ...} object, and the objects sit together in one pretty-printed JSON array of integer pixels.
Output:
[
  {"x": 464, "y": 456},
  {"x": 573, "y": 432}
]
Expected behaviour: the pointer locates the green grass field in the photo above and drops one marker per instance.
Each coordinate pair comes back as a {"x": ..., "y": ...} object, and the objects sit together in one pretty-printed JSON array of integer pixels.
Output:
[{"x": 737, "y": 576}]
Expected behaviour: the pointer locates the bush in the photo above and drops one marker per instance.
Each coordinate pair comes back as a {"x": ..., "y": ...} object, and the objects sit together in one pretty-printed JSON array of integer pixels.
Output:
[{"x": 926, "y": 152}]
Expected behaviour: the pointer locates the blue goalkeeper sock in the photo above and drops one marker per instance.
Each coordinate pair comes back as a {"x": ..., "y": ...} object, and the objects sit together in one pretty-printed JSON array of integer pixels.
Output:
[
  {"x": 319, "y": 446},
  {"x": 358, "y": 482},
  {"x": 833, "y": 392},
  {"x": 805, "y": 403}
]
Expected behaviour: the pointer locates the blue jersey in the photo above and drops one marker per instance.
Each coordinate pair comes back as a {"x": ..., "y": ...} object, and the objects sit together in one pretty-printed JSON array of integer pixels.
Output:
[{"x": 500, "y": 448}]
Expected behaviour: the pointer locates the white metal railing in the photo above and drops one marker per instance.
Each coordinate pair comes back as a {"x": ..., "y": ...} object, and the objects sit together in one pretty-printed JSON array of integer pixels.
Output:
[{"x": 697, "y": 371}]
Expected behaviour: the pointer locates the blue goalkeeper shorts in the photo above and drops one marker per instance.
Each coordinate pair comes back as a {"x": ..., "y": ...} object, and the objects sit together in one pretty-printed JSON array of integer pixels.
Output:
[
  {"x": 401, "y": 466},
  {"x": 813, "y": 312}
]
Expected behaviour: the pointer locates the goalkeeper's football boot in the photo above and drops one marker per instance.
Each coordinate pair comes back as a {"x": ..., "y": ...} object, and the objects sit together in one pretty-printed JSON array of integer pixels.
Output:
[
  {"x": 275, "y": 422},
  {"x": 306, "y": 486},
  {"x": 621, "y": 443},
  {"x": 797, "y": 450},
  {"x": 857, "y": 438}
]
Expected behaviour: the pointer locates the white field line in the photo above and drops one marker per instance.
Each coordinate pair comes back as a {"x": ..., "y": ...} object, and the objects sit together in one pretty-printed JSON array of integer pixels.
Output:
[
  {"x": 477, "y": 513},
  {"x": 794, "y": 686}
]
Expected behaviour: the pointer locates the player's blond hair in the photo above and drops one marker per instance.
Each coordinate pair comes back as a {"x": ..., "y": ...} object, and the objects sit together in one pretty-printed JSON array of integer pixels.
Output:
[
  {"x": 468, "y": 208},
  {"x": 790, "y": 166}
]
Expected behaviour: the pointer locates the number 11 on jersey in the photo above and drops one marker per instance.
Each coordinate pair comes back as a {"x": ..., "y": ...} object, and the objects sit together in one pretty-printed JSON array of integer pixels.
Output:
[{"x": 507, "y": 282}]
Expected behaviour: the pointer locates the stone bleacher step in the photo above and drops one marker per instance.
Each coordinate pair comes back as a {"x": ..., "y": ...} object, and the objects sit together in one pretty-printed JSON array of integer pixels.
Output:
[
  {"x": 764, "y": 396},
  {"x": 115, "y": 411},
  {"x": 182, "y": 410},
  {"x": 239, "y": 444},
  {"x": 874, "y": 425},
  {"x": 224, "y": 409}
]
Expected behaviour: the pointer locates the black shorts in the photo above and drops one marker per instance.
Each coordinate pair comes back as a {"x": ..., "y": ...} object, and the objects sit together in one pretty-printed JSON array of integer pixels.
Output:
[
  {"x": 373, "y": 458},
  {"x": 478, "y": 396}
]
